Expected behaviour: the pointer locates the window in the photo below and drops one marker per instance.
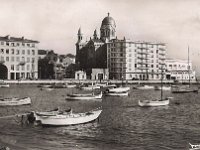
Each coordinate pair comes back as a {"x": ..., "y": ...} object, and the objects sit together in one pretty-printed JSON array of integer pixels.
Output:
[
  {"x": 12, "y": 51},
  {"x": 12, "y": 67},
  {"x": 33, "y": 60},
  {"x": 23, "y": 59},
  {"x": 7, "y": 51},
  {"x": 17, "y": 67},
  {"x": 2, "y": 58},
  {"x": 7, "y": 58},
  {"x": 7, "y": 43},
  {"x": 28, "y": 59},
  {"x": 28, "y": 67},
  {"x": 33, "y": 52},
  {"x": 33, "y": 45},
  {"x": 28, "y": 52},
  {"x": 23, "y": 51},
  {"x": 13, "y": 44},
  {"x": 23, "y": 44},
  {"x": 17, "y": 59},
  {"x": 12, "y": 58},
  {"x": 23, "y": 67},
  {"x": 17, "y": 52},
  {"x": 28, "y": 45},
  {"x": 2, "y": 43},
  {"x": 17, "y": 44},
  {"x": 2, "y": 51}
]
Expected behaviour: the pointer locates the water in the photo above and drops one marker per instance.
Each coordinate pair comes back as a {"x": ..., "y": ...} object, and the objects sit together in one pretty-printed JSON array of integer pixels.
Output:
[{"x": 122, "y": 125}]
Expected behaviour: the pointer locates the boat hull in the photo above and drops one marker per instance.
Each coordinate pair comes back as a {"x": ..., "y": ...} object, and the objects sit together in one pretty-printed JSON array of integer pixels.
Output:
[
  {"x": 117, "y": 94},
  {"x": 119, "y": 90},
  {"x": 184, "y": 89},
  {"x": 4, "y": 86},
  {"x": 147, "y": 103},
  {"x": 145, "y": 87},
  {"x": 84, "y": 97},
  {"x": 15, "y": 101},
  {"x": 90, "y": 88},
  {"x": 69, "y": 119}
]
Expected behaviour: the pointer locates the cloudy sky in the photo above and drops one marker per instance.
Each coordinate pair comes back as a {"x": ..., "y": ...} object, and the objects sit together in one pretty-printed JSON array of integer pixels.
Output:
[{"x": 55, "y": 22}]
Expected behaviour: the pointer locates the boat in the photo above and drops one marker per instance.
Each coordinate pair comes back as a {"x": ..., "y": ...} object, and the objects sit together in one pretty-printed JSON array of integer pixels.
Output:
[
  {"x": 156, "y": 102},
  {"x": 185, "y": 88},
  {"x": 144, "y": 87},
  {"x": 14, "y": 101},
  {"x": 71, "y": 85},
  {"x": 59, "y": 85},
  {"x": 106, "y": 85},
  {"x": 165, "y": 88},
  {"x": 119, "y": 89},
  {"x": 53, "y": 112},
  {"x": 84, "y": 96},
  {"x": 4, "y": 85},
  {"x": 117, "y": 93},
  {"x": 90, "y": 88},
  {"x": 67, "y": 119}
]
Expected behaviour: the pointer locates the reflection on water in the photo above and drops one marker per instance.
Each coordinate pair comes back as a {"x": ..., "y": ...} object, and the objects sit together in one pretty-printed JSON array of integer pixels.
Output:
[{"x": 122, "y": 124}]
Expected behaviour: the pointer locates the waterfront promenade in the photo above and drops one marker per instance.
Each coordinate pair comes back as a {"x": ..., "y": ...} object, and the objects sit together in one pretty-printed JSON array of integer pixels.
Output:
[{"x": 90, "y": 81}]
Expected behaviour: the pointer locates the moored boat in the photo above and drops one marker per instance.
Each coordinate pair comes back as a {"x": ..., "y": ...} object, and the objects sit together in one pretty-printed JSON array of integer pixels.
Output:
[
  {"x": 84, "y": 96},
  {"x": 68, "y": 119},
  {"x": 119, "y": 90},
  {"x": 4, "y": 85},
  {"x": 117, "y": 94},
  {"x": 184, "y": 89},
  {"x": 145, "y": 87},
  {"x": 15, "y": 101},
  {"x": 90, "y": 88},
  {"x": 164, "y": 88},
  {"x": 160, "y": 102}
]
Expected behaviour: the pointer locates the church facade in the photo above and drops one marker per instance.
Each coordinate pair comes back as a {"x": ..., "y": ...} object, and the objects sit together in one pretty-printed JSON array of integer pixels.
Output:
[{"x": 123, "y": 58}]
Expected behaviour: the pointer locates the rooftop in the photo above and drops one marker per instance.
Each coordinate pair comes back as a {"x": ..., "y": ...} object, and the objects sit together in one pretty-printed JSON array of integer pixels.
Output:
[{"x": 16, "y": 39}]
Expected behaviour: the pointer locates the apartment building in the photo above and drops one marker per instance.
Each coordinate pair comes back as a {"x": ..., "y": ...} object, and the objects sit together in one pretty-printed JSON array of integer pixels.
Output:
[
  {"x": 135, "y": 60},
  {"x": 18, "y": 58}
]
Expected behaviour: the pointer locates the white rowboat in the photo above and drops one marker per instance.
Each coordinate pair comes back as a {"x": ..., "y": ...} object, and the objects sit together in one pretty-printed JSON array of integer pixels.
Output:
[{"x": 68, "y": 119}]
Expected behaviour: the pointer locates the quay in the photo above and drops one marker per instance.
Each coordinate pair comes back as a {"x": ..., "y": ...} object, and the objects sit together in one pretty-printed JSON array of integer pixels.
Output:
[{"x": 95, "y": 81}]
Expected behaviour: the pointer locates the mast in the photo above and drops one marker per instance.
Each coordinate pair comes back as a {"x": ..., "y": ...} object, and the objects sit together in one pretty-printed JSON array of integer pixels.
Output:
[
  {"x": 188, "y": 66},
  {"x": 161, "y": 91}
]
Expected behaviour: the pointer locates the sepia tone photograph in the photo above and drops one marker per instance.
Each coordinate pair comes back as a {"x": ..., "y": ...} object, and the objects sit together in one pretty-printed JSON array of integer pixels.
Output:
[{"x": 99, "y": 75}]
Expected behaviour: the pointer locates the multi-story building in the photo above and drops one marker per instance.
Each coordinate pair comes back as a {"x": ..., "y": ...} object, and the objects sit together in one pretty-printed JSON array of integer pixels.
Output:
[
  {"x": 181, "y": 70},
  {"x": 124, "y": 59},
  {"x": 18, "y": 58},
  {"x": 135, "y": 60}
]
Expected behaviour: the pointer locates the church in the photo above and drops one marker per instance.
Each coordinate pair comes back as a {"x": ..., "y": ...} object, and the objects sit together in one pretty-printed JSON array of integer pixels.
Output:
[{"x": 107, "y": 57}]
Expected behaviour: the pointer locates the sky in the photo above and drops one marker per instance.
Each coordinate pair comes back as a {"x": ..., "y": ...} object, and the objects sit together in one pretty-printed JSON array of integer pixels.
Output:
[{"x": 55, "y": 23}]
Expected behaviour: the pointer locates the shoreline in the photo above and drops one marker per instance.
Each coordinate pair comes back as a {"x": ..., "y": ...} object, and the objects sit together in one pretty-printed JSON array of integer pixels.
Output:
[{"x": 94, "y": 81}]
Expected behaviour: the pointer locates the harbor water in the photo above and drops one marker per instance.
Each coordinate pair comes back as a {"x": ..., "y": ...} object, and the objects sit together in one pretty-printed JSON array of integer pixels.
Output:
[{"x": 122, "y": 125}]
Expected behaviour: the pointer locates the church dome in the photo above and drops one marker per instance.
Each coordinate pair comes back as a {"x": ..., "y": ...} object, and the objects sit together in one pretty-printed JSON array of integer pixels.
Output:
[{"x": 108, "y": 21}]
